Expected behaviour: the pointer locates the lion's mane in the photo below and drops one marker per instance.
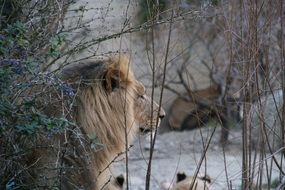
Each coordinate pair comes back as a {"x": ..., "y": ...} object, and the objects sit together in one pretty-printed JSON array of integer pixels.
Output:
[
  {"x": 104, "y": 112},
  {"x": 105, "y": 109}
]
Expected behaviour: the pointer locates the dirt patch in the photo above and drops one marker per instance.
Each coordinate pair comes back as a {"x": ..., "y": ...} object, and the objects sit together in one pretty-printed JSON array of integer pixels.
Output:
[{"x": 181, "y": 151}]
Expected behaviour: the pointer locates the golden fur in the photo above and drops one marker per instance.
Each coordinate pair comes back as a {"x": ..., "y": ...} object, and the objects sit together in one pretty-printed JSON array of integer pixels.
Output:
[{"x": 111, "y": 107}]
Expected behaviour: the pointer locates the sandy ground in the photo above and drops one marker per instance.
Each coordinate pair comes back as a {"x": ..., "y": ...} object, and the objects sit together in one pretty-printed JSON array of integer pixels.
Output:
[{"x": 181, "y": 152}]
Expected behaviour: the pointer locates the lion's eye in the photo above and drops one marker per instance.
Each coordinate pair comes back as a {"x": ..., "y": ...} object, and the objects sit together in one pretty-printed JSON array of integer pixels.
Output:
[{"x": 141, "y": 96}]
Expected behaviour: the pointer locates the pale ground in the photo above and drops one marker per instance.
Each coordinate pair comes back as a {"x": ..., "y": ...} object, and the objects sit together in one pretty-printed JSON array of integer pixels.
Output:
[{"x": 181, "y": 151}]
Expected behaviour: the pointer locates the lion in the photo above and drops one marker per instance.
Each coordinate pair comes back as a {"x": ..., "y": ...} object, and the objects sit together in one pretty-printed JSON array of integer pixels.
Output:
[
  {"x": 184, "y": 182},
  {"x": 198, "y": 104},
  {"x": 195, "y": 109},
  {"x": 110, "y": 109}
]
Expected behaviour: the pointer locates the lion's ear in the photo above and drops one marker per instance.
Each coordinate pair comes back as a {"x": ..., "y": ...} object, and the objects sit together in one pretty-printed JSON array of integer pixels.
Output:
[
  {"x": 120, "y": 181},
  {"x": 112, "y": 79},
  {"x": 181, "y": 176},
  {"x": 118, "y": 74}
]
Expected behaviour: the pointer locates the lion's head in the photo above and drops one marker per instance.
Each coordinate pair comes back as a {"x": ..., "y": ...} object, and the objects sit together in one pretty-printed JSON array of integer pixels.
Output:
[
  {"x": 110, "y": 96},
  {"x": 111, "y": 107}
]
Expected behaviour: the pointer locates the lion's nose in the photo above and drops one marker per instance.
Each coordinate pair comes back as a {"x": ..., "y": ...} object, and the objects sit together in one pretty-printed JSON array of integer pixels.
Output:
[{"x": 161, "y": 113}]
